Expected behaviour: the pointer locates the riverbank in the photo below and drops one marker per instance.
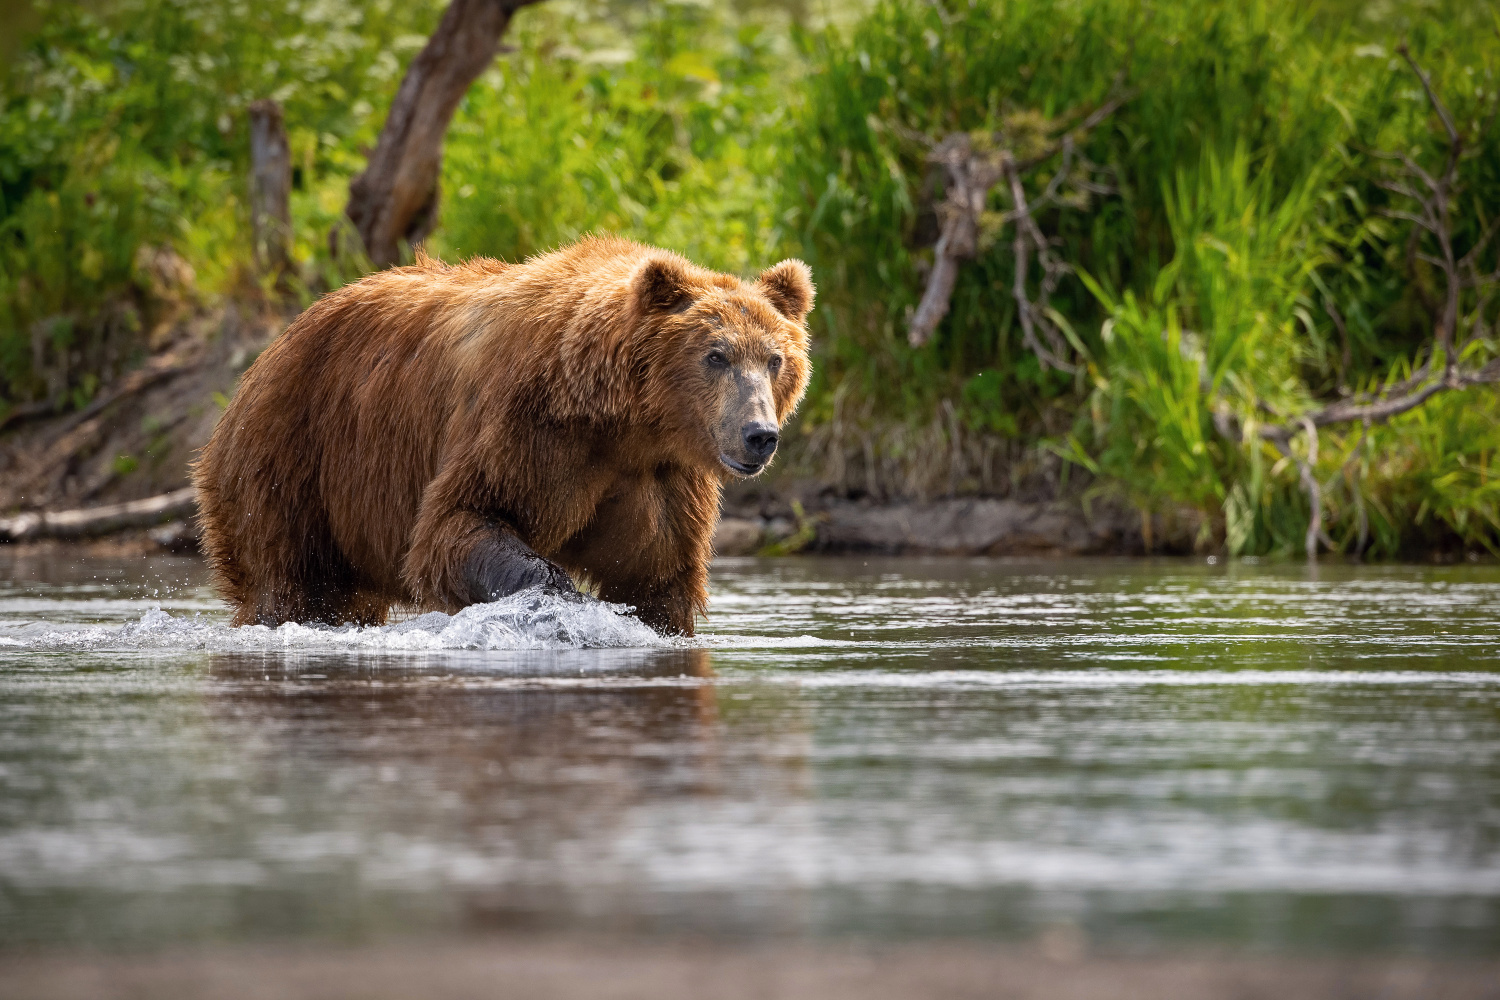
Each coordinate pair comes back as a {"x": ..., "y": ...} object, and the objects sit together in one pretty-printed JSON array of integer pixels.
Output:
[
  {"x": 1054, "y": 968},
  {"x": 136, "y": 435},
  {"x": 134, "y": 440},
  {"x": 778, "y": 523}
]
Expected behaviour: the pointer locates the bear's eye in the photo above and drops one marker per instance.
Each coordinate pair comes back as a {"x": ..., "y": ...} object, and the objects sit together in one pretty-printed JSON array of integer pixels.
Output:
[
  {"x": 775, "y": 364},
  {"x": 717, "y": 359}
]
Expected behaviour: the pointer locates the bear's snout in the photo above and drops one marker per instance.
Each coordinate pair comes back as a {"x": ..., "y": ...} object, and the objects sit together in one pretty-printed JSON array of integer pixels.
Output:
[
  {"x": 746, "y": 432},
  {"x": 760, "y": 441}
]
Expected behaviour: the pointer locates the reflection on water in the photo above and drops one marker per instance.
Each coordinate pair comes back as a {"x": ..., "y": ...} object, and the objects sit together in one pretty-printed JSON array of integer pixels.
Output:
[{"x": 1157, "y": 753}]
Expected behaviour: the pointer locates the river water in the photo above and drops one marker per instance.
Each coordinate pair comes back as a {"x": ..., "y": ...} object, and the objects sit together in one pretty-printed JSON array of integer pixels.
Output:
[{"x": 1142, "y": 754}]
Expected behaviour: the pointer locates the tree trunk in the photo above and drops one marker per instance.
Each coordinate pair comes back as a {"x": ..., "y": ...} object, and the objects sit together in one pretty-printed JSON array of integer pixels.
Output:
[
  {"x": 395, "y": 200},
  {"x": 270, "y": 189}
]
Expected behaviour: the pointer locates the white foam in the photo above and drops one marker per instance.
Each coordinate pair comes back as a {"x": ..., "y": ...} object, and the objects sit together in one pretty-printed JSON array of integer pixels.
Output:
[{"x": 530, "y": 619}]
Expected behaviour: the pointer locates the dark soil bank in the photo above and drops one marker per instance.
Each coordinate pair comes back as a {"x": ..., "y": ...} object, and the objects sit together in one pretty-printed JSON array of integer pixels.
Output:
[{"x": 971, "y": 526}]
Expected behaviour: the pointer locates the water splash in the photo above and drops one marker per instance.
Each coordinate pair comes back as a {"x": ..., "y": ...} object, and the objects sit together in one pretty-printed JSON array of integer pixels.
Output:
[{"x": 530, "y": 619}]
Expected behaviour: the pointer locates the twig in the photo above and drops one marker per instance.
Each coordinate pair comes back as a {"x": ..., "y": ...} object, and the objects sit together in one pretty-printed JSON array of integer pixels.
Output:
[
  {"x": 1033, "y": 317},
  {"x": 1310, "y": 484},
  {"x": 1454, "y": 141},
  {"x": 27, "y": 411}
]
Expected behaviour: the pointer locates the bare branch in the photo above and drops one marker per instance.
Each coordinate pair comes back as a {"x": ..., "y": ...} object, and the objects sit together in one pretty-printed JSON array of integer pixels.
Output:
[
  {"x": 971, "y": 174},
  {"x": 968, "y": 188},
  {"x": 1411, "y": 165},
  {"x": 1109, "y": 107},
  {"x": 935, "y": 299},
  {"x": 1418, "y": 377},
  {"x": 1437, "y": 104},
  {"x": 1396, "y": 187},
  {"x": 1378, "y": 412},
  {"x": 1409, "y": 217},
  {"x": 1374, "y": 412},
  {"x": 1033, "y": 317},
  {"x": 1023, "y": 211},
  {"x": 1471, "y": 259}
]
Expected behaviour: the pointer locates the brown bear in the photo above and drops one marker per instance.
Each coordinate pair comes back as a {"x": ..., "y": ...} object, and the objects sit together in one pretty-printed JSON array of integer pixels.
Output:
[{"x": 436, "y": 436}]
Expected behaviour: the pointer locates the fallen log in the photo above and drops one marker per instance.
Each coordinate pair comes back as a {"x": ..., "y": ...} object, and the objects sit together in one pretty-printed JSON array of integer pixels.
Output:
[{"x": 94, "y": 521}]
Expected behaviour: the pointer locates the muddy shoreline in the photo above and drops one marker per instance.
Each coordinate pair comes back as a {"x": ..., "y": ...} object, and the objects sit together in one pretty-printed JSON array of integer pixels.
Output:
[
  {"x": 1053, "y": 968},
  {"x": 966, "y": 526}
]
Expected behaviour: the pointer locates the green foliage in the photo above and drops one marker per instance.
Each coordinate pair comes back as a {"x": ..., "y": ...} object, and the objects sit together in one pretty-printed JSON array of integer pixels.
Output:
[
  {"x": 1223, "y": 326},
  {"x": 668, "y": 135},
  {"x": 1421, "y": 481},
  {"x": 1240, "y": 264},
  {"x": 1230, "y": 327},
  {"x": 123, "y": 126},
  {"x": 1235, "y": 267}
]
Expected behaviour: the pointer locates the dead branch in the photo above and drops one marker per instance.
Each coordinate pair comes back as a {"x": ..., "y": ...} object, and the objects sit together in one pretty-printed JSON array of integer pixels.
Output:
[
  {"x": 974, "y": 163},
  {"x": 970, "y": 178},
  {"x": 1310, "y": 484},
  {"x": 1092, "y": 121},
  {"x": 1029, "y": 239},
  {"x": 94, "y": 521},
  {"x": 1455, "y": 141}
]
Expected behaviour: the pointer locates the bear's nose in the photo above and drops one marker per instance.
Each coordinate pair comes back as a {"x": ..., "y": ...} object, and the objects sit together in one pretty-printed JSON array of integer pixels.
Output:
[{"x": 760, "y": 440}]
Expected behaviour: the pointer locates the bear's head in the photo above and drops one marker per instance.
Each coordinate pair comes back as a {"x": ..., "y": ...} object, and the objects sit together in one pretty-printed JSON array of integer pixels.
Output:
[{"x": 725, "y": 361}]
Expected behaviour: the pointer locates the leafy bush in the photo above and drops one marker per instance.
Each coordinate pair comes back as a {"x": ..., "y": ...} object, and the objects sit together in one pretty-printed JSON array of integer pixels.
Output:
[
  {"x": 1240, "y": 260},
  {"x": 124, "y": 126},
  {"x": 666, "y": 132}
]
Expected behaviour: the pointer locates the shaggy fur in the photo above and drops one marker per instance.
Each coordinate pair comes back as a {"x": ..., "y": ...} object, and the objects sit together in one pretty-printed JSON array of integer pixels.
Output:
[{"x": 437, "y": 435}]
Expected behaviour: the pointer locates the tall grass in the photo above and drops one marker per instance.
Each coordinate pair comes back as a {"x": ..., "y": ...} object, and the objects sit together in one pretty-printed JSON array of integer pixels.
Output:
[{"x": 1240, "y": 260}]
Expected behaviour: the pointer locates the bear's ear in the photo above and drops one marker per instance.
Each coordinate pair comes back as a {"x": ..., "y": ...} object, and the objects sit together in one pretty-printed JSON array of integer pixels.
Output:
[
  {"x": 661, "y": 285},
  {"x": 789, "y": 287}
]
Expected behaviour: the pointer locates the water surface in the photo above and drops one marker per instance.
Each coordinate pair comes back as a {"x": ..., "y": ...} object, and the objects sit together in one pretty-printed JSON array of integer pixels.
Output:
[{"x": 1150, "y": 754}]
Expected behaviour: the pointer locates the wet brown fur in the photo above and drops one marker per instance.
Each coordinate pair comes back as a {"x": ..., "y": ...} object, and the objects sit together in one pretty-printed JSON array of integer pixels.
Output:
[{"x": 404, "y": 419}]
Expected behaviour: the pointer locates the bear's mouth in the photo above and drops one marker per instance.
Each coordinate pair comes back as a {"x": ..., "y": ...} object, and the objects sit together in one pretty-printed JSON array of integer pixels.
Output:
[{"x": 739, "y": 468}]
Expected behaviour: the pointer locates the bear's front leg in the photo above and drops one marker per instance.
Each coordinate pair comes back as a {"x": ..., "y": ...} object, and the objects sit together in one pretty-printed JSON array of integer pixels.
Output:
[
  {"x": 464, "y": 558},
  {"x": 501, "y": 564},
  {"x": 669, "y": 606}
]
